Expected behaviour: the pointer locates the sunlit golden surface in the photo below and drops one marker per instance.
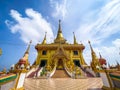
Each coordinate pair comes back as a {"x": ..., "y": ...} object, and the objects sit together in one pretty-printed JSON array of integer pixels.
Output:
[{"x": 63, "y": 84}]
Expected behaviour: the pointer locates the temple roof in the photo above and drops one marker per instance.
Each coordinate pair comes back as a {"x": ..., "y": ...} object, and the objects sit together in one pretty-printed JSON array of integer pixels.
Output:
[
  {"x": 5, "y": 78},
  {"x": 102, "y": 60},
  {"x": 65, "y": 46}
]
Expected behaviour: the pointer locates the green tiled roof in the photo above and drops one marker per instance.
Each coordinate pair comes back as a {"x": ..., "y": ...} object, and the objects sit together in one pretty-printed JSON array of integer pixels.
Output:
[
  {"x": 6, "y": 79},
  {"x": 114, "y": 76}
]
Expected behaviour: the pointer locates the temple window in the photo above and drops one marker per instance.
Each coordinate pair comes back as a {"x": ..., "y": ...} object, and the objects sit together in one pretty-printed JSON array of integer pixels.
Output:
[
  {"x": 43, "y": 62},
  {"x": 44, "y": 52},
  {"x": 75, "y": 52},
  {"x": 76, "y": 62}
]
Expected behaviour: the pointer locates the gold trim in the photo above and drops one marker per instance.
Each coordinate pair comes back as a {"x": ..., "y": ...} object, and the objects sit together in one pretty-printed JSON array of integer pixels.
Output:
[
  {"x": 17, "y": 80},
  {"x": 22, "y": 88},
  {"x": 7, "y": 76},
  {"x": 19, "y": 71}
]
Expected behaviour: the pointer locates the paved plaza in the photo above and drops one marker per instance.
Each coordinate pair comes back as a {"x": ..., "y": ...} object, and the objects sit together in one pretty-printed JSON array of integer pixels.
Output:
[{"x": 63, "y": 84}]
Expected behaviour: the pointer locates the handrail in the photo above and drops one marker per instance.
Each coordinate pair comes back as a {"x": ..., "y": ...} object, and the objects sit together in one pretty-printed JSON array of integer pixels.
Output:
[
  {"x": 38, "y": 74},
  {"x": 53, "y": 71},
  {"x": 90, "y": 71},
  {"x": 30, "y": 71},
  {"x": 66, "y": 69}
]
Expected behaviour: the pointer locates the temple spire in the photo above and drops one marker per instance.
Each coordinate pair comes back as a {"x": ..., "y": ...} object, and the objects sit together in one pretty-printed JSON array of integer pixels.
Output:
[
  {"x": 100, "y": 55},
  {"x": 109, "y": 65},
  {"x": 59, "y": 37},
  {"x": 26, "y": 55},
  {"x": 95, "y": 62},
  {"x": 27, "y": 50},
  {"x": 117, "y": 63},
  {"x": 59, "y": 28},
  {"x": 59, "y": 34},
  {"x": 44, "y": 41},
  {"x": 90, "y": 47},
  {"x": 75, "y": 41},
  {"x": 23, "y": 62},
  {"x": 92, "y": 52}
]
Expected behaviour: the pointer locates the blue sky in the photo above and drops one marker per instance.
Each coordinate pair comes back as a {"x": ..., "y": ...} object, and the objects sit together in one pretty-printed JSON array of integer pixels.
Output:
[{"x": 25, "y": 20}]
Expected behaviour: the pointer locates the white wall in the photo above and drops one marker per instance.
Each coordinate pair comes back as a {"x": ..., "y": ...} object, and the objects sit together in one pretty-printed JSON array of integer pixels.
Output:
[
  {"x": 21, "y": 80},
  {"x": 105, "y": 79}
]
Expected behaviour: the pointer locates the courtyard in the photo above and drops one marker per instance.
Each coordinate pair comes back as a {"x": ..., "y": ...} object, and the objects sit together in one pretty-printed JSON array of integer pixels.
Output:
[{"x": 63, "y": 84}]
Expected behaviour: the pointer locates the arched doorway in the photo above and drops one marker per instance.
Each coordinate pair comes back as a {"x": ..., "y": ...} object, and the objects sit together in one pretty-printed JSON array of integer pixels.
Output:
[
  {"x": 60, "y": 64},
  {"x": 76, "y": 62}
]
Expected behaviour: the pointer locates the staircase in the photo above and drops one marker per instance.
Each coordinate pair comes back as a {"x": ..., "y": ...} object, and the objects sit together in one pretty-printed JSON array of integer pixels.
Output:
[
  {"x": 60, "y": 74},
  {"x": 87, "y": 73},
  {"x": 33, "y": 73}
]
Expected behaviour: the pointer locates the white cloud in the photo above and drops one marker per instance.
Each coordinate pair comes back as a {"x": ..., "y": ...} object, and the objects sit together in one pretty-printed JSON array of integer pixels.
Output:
[
  {"x": 104, "y": 25},
  {"x": 110, "y": 53},
  {"x": 117, "y": 43},
  {"x": 100, "y": 28},
  {"x": 32, "y": 27},
  {"x": 96, "y": 24},
  {"x": 60, "y": 9}
]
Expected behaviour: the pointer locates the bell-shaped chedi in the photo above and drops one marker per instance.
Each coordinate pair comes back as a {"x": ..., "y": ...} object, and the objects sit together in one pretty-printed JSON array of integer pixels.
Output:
[
  {"x": 23, "y": 63},
  {"x": 60, "y": 38},
  {"x": 95, "y": 64}
]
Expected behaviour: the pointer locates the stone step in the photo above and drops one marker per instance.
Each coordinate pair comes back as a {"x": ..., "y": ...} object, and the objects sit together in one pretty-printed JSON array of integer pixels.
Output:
[
  {"x": 60, "y": 74},
  {"x": 33, "y": 73}
]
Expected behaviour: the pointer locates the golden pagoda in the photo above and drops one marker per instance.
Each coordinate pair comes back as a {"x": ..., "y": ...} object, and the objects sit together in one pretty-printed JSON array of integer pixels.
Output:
[
  {"x": 60, "y": 55},
  {"x": 59, "y": 50},
  {"x": 23, "y": 63},
  {"x": 95, "y": 64}
]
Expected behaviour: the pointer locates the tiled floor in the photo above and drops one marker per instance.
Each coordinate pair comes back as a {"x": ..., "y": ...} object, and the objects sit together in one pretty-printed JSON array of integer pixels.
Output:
[{"x": 63, "y": 84}]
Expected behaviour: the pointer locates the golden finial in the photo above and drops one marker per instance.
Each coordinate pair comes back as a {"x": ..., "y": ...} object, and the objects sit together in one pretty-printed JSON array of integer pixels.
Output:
[
  {"x": 75, "y": 42},
  {"x": 44, "y": 41}
]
